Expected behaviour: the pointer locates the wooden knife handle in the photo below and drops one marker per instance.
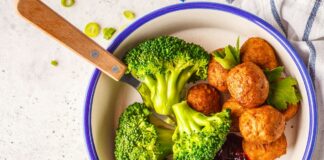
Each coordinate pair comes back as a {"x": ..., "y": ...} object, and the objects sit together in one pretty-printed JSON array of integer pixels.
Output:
[{"x": 42, "y": 16}]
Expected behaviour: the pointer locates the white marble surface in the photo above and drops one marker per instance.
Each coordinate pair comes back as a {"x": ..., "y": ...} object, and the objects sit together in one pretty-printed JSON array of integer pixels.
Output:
[{"x": 41, "y": 106}]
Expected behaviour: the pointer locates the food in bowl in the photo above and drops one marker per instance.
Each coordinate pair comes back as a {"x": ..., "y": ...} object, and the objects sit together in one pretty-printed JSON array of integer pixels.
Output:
[
  {"x": 165, "y": 65},
  {"x": 204, "y": 98},
  {"x": 217, "y": 74},
  {"x": 248, "y": 85},
  {"x": 260, "y": 52},
  {"x": 236, "y": 111},
  {"x": 262, "y": 125},
  {"x": 269, "y": 151}
]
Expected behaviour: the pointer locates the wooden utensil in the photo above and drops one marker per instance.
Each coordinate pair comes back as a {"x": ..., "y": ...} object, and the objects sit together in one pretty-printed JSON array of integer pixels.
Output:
[{"x": 45, "y": 18}]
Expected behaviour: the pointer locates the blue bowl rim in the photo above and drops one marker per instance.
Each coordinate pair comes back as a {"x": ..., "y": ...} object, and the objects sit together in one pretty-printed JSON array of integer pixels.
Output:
[{"x": 213, "y": 6}]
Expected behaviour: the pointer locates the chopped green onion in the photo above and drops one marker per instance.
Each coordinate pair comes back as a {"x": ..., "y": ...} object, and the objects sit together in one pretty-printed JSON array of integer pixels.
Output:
[
  {"x": 129, "y": 14},
  {"x": 108, "y": 32},
  {"x": 54, "y": 63},
  {"x": 92, "y": 29},
  {"x": 67, "y": 3}
]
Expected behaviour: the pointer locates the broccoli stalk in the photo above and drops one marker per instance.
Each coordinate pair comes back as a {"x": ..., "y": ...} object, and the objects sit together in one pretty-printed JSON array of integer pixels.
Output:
[
  {"x": 164, "y": 65},
  {"x": 139, "y": 138},
  {"x": 198, "y": 136}
]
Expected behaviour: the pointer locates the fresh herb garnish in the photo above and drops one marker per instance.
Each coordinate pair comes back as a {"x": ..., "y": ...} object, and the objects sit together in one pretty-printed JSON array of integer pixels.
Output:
[
  {"x": 229, "y": 57},
  {"x": 274, "y": 74},
  {"x": 282, "y": 90}
]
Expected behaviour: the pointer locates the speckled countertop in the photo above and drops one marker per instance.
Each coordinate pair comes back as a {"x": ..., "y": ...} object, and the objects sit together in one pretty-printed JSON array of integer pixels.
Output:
[{"x": 41, "y": 106}]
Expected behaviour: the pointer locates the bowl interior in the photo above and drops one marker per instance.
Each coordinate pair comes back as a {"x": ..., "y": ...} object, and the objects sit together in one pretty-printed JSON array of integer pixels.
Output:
[{"x": 211, "y": 29}]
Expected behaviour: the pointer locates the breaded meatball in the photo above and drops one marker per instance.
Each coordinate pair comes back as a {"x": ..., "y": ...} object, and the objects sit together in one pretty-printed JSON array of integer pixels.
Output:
[
  {"x": 262, "y": 125},
  {"x": 217, "y": 74},
  {"x": 269, "y": 151},
  {"x": 204, "y": 98},
  {"x": 260, "y": 52},
  {"x": 248, "y": 85},
  {"x": 236, "y": 111},
  {"x": 290, "y": 112}
]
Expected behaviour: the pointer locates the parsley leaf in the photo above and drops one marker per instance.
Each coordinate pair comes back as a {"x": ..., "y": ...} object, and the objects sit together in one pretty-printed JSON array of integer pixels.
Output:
[
  {"x": 282, "y": 90},
  {"x": 274, "y": 74},
  {"x": 229, "y": 57}
]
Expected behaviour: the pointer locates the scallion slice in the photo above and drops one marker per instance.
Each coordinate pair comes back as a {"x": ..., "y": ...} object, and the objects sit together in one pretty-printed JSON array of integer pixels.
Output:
[
  {"x": 108, "y": 32},
  {"x": 92, "y": 29},
  {"x": 129, "y": 14},
  {"x": 67, "y": 3}
]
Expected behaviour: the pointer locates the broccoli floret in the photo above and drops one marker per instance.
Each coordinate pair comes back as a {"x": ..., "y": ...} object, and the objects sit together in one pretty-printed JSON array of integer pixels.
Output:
[
  {"x": 198, "y": 136},
  {"x": 138, "y": 138},
  {"x": 164, "y": 65}
]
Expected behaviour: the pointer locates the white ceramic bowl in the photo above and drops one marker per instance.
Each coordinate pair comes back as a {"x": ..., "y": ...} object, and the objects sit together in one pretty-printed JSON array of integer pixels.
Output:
[{"x": 212, "y": 26}]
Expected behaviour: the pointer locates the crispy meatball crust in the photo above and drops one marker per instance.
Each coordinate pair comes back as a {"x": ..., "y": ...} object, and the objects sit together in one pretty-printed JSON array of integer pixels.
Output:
[
  {"x": 236, "y": 111},
  {"x": 262, "y": 125},
  {"x": 291, "y": 111},
  {"x": 217, "y": 74},
  {"x": 260, "y": 52},
  {"x": 204, "y": 98},
  {"x": 248, "y": 85},
  {"x": 269, "y": 151}
]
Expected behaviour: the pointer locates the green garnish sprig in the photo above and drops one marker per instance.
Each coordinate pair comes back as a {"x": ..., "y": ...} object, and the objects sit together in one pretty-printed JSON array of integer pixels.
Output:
[
  {"x": 282, "y": 90},
  {"x": 229, "y": 57}
]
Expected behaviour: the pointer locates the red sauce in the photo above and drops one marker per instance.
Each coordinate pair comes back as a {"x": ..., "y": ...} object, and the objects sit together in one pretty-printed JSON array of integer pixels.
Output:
[{"x": 232, "y": 149}]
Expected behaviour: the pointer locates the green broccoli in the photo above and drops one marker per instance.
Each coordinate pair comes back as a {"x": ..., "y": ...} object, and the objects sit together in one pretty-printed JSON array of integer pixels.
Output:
[
  {"x": 146, "y": 94},
  {"x": 164, "y": 65},
  {"x": 138, "y": 138},
  {"x": 198, "y": 136}
]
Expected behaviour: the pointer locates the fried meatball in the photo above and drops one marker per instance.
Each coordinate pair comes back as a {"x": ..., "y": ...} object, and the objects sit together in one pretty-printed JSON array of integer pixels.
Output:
[
  {"x": 262, "y": 125},
  {"x": 204, "y": 98},
  {"x": 260, "y": 52},
  {"x": 269, "y": 151},
  {"x": 217, "y": 74},
  {"x": 290, "y": 112},
  {"x": 236, "y": 111},
  {"x": 248, "y": 85}
]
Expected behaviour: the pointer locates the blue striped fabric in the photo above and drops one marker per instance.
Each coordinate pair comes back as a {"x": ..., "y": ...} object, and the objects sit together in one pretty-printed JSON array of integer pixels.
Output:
[
  {"x": 230, "y": 1},
  {"x": 311, "y": 59},
  {"x": 309, "y": 24},
  {"x": 312, "y": 49},
  {"x": 276, "y": 16},
  {"x": 311, "y": 19}
]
